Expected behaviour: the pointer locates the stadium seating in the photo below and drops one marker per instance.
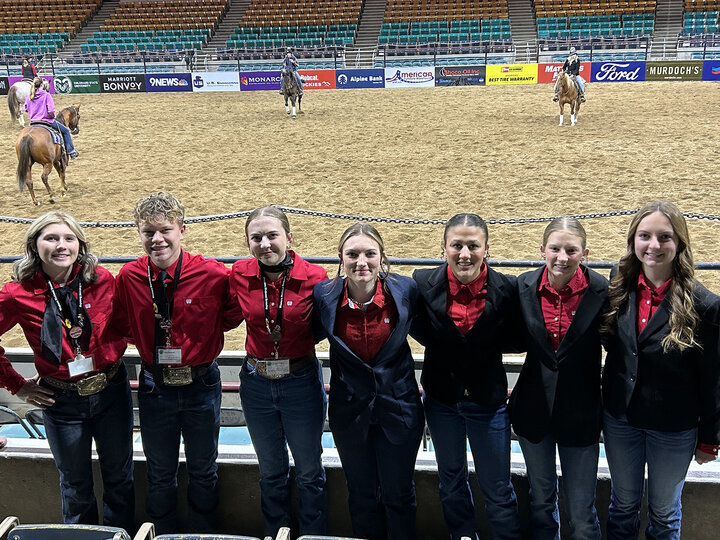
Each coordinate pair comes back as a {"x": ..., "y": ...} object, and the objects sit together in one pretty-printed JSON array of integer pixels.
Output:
[
  {"x": 302, "y": 36},
  {"x": 444, "y": 10},
  {"x": 265, "y": 13},
  {"x": 45, "y": 16},
  {"x": 147, "y": 40},
  {"x": 32, "y": 43},
  {"x": 157, "y": 15},
  {"x": 629, "y": 24},
  {"x": 578, "y": 8}
]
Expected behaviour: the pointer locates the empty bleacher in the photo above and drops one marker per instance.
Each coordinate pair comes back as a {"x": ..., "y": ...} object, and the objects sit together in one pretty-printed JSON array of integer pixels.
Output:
[
  {"x": 700, "y": 36},
  {"x": 165, "y": 15}
]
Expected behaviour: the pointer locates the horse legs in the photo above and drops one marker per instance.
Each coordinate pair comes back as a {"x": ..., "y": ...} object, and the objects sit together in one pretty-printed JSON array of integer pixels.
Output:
[
  {"x": 287, "y": 109},
  {"x": 573, "y": 111},
  {"x": 300, "y": 104},
  {"x": 294, "y": 114},
  {"x": 21, "y": 118},
  {"x": 562, "y": 107},
  {"x": 47, "y": 168},
  {"x": 30, "y": 187},
  {"x": 61, "y": 173}
]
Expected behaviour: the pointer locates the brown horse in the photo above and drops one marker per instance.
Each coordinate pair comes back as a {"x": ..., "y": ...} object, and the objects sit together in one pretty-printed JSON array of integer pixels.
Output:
[
  {"x": 70, "y": 118},
  {"x": 35, "y": 145},
  {"x": 567, "y": 94}
]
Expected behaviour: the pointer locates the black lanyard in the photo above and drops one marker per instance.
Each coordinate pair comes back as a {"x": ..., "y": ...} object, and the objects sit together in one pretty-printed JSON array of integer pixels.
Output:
[
  {"x": 73, "y": 328},
  {"x": 165, "y": 318},
  {"x": 276, "y": 332}
]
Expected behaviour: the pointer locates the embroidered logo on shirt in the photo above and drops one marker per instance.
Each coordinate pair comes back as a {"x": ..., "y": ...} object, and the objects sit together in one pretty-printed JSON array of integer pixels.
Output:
[
  {"x": 88, "y": 306},
  {"x": 188, "y": 300},
  {"x": 289, "y": 302},
  {"x": 386, "y": 320}
]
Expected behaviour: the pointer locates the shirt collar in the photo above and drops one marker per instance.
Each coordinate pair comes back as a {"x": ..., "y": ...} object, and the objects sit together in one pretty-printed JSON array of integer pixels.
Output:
[
  {"x": 475, "y": 287},
  {"x": 39, "y": 281},
  {"x": 577, "y": 283},
  {"x": 155, "y": 270},
  {"x": 298, "y": 271},
  {"x": 647, "y": 284},
  {"x": 378, "y": 298}
]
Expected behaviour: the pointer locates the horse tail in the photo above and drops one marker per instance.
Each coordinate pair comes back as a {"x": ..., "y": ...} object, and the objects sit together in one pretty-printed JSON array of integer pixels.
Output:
[
  {"x": 12, "y": 103},
  {"x": 24, "y": 160}
]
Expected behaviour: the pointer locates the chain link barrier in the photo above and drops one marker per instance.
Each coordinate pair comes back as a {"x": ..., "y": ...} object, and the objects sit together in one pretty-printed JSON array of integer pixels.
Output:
[{"x": 354, "y": 217}]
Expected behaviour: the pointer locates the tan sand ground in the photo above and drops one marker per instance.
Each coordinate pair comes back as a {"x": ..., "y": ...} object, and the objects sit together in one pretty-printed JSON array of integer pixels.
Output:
[{"x": 415, "y": 153}]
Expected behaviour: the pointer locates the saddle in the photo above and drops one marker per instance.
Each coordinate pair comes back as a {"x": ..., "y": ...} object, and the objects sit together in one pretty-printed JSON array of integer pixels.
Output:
[{"x": 56, "y": 135}]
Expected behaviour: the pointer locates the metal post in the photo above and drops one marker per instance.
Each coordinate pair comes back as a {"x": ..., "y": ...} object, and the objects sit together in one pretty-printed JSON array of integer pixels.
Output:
[{"x": 144, "y": 62}]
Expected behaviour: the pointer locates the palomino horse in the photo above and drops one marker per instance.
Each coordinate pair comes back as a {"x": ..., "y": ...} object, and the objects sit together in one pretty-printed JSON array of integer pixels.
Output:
[
  {"x": 567, "y": 94},
  {"x": 35, "y": 145},
  {"x": 16, "y": 99},
  {"x": 291, "y": 90},
  {"x": 70, "y": 118}
]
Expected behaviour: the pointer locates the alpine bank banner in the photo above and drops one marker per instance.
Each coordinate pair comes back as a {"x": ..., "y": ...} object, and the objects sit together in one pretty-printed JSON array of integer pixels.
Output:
[
  {"x": 360, "y": 78},
  {"x": 12, "y": 80},
  {"x": 711, "y": 70},
  {"x": 618, "y": 71},
  {"x": 409, "y": 77},
  {"x": 317, "y": 79},
  {"x": 215, "y": 81},
  {"x": 168, "y": 82},
  {"x": 260, "y": 80},
  {"x": 548, "y": 73}
]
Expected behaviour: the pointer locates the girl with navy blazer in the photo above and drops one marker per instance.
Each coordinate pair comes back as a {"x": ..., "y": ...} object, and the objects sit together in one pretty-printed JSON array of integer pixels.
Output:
[
  {"x": 556, "y": 400},
  {"x": 465, "y": 317},
  {"x": 374, "y": 410},
  {"x": 661, "y": 383}
]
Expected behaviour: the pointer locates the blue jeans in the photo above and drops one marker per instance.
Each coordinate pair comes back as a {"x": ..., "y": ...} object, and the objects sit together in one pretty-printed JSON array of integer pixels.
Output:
[
  {"x": 488, "y": 431},
  {"x": 69, "y": 147},
  {"x": 379, "y": 475},
  {"x": 289, "y": 411},
  {"x": 71, "y": 425},
  {"x": 579, "y": 479},
  {"x": 668, "y": 456},
  {"x": 166, "y": 413}
]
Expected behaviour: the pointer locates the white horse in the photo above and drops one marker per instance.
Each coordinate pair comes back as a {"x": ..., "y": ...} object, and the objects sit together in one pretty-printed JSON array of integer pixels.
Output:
[{"x": 16, "y": 99}]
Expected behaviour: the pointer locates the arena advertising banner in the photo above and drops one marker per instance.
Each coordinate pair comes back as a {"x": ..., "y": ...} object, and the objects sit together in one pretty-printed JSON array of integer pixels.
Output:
[
  {"x": 4, "y": 86},
  {"x": 460, "y": 76},
  {"x": 511, "y": 74},
  {"x": 50, "y": 78},
  {"x": 547, "y": 73},
  {"x": 674, "y": 71},
  {"x": 77, "y": 84},
  {"x": 409, "y": 77},
  {"x": 618, "y": 71},
  {"x": 711, "y": 70},
  {"x": 122, "y": 83},
  {"x": 317, "y": 79},
  {"x": 168, "y": 82},
  {"x": 260, "y": 80},
  {"x": 360, "y": 78},
  {"x": 215, "y": 81}
]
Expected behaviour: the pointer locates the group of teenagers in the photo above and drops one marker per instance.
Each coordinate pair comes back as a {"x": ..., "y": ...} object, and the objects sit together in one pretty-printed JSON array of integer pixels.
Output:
[{"x": 657, "y": 401}]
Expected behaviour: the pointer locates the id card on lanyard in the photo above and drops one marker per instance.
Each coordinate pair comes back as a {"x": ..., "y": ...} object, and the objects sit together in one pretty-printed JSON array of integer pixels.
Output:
[
  {"x": 275, "y": 366},
  {"x": 167, "y": 354},
  {"x": 80, "y": 364}
]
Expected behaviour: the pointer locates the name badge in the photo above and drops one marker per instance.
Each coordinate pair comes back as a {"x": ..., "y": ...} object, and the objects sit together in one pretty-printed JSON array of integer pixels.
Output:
[
  {"x": 169, "y": 356},
  {"x": 277, "y": 367},
  {"x": 80, "y": 365}
]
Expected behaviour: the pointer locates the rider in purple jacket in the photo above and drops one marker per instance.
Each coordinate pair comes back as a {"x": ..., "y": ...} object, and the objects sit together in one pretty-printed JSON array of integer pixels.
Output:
[{"x": 41, "y": 108}]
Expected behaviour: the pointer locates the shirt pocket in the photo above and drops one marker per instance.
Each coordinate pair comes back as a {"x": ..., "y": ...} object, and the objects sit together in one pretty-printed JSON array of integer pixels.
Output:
[{"x": 197, "y": 317}]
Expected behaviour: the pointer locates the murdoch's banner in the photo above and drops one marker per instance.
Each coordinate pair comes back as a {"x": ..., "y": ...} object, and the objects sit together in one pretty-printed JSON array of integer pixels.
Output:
[
  {"x": 618, "y": 71},
  {"x": 4, "y": 86},
  {"x": 547, "y": 73},
  {"x": 409, "y": 77},
  {"x": 77, "y": 84},
  {"x": 511, "y": 74},
  {"x": 260, "y": 80},
  {"x": 215, "y": 81},
  {"x": 111, "y": 84},
  {"x": 317, "y": 79},
  {"x": 460, "y": 76},
  {"x": 49, "y": 78},
  {"x": 168, "y": 82},
  {"x": 674, "y": 71},
  {"x": 711, "y": 70},
  {"x": 360, "y": 78}
]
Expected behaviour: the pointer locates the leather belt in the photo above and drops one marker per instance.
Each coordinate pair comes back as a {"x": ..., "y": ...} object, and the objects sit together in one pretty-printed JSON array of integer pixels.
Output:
[
  {"x": 177, "y": 375},
  {"x": 260, "y": 364},
  {"x": 89, "y": 385}
]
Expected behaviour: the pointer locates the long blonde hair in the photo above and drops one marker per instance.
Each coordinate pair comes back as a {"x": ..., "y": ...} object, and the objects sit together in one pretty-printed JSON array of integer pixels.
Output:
[
  {"x": 684, "y": 318},
  {"x": 36, "y": 84}
]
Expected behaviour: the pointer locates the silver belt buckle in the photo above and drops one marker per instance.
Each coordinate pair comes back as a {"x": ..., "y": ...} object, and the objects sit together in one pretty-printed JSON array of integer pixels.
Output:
[
  {"x": 92, "y": 385},
  {"x": 273, "y": 368},
  {"x": 177, "y": 376}
]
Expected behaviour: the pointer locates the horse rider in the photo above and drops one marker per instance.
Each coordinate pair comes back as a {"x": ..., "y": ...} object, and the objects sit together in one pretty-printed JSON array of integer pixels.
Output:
[
  {"x": 572, "y": 68},
  {"x": 290, "y": 62},
  {"x": 27, "y": 69},
  {"x": 41, "y": 109}
]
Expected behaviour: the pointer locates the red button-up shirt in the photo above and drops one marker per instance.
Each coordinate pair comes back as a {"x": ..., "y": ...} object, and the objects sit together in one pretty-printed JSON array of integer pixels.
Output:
[
  {"x": 24, "y": 304},
  {"x": 202, "y": 308},
  {"x": 649, "y": 299},
  {"x": 559, "y": 307},
  {"x": 366, "y": 328},
  {"x": 297, "y": 333},
  {"x": 465, "y": 303}
]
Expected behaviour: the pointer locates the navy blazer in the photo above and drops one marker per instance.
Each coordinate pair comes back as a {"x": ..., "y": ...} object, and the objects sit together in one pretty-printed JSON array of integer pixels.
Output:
[
  {"x": 383, "y": 392},
  {"x": 558, "y": 392},
  {"x": 464, "y": 366},
  {"x": 665, "y": 391}
]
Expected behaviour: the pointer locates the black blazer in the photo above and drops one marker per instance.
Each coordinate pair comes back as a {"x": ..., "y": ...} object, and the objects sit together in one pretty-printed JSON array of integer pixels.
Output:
[
  {"x": 464, "y": 366},
  {"x": 384, "y": 393},
  {"x": 558, "y": 392},
  {"x": 665, "y": 391}
]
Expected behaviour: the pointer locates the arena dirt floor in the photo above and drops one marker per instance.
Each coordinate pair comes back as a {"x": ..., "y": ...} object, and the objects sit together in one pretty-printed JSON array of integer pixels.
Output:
[{"x": 405, "y": 153}]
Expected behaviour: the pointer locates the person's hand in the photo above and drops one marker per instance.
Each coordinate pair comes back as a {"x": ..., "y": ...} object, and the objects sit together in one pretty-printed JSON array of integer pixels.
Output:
[
  {"x": 32, "y": 393},
  {"x": 704, "y": 457}
]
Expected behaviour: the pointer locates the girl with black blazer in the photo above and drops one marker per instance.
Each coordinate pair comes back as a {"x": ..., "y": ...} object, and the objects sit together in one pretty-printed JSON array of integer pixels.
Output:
[
  {"x": 374, "y": 408},
  {"x": 464, "y": 320},
  {"x": 556, "y": 400},
  {"x": 661, "y": 384}
]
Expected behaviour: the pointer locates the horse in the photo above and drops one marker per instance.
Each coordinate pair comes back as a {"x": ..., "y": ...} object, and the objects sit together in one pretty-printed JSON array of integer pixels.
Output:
[
  {"x": 291, "y": 90},
  {"x": 35, "y": 145},
  {"x": 16, "y": 99},
  {"x": 567, "y": 94},
  {"x": 70, "y": 118}
]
